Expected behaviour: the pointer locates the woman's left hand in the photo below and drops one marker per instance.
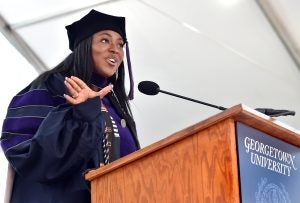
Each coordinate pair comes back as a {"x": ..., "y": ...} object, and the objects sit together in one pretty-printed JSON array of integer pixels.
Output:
[{"x": 81, "y": 92}]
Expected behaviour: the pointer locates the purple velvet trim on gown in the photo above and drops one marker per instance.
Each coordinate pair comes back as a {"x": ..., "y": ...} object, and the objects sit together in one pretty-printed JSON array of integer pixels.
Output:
[{"x": 127, "y": 144}]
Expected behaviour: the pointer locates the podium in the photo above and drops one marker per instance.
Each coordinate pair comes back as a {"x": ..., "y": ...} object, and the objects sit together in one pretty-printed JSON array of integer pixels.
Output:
[{"x": 237, "y": 155}]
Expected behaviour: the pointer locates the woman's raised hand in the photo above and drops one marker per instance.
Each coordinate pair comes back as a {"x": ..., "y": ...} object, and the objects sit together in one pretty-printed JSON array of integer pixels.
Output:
[{"x": 80, "y": 92}]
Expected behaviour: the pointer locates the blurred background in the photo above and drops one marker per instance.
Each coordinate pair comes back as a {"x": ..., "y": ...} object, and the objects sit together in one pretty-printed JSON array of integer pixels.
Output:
[{"x": 223, "y": 52}]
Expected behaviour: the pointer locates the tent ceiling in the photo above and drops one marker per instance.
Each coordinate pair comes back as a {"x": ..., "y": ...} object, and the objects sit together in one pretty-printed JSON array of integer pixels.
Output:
[
  {"x": 194, "y": 47},
  {"x": 40, "y": 23}
]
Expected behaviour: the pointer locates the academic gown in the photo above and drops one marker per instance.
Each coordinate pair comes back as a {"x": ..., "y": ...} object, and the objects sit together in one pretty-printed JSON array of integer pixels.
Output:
[{"x": 51, "y": 144}]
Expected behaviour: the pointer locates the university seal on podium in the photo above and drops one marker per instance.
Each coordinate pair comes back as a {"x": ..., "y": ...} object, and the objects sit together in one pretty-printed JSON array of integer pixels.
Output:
[{"x": 271, "y": 193}]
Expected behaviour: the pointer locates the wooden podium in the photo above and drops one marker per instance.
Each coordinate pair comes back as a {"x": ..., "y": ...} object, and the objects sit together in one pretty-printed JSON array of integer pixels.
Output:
[{"x": 197, "y": 164}]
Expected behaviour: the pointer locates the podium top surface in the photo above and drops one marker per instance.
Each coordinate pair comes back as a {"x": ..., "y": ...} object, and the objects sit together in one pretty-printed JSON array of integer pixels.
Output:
[{"x": 240, "y": 113}]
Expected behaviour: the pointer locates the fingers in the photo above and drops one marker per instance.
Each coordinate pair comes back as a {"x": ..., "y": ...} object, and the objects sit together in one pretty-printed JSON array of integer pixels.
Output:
[
  {"x": 80, "y": 92},
  {"x": 105, "y": 90},
  {"x": 79, "y": 82},
  {"x": 74, "y": 84},
  {"x": 70, "y": 99},
  {"x": 73, "y": 100},
  {"x": 71, "y": 86}
]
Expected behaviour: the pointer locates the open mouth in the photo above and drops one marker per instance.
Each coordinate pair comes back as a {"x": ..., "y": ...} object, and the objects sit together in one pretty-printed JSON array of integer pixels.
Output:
[{"x": 112, "y": 60}]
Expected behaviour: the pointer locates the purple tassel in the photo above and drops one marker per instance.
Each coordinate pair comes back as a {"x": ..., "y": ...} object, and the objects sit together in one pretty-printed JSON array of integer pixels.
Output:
[{"x": 131, "y": 91}]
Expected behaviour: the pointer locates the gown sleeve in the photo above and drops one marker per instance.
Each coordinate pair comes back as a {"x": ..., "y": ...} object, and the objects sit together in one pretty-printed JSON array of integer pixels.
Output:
[{"x": 44, "y": 142}]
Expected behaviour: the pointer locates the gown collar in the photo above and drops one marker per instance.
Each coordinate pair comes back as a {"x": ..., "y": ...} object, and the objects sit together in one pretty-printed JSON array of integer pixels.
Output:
[{"x": 99, "y": 81}]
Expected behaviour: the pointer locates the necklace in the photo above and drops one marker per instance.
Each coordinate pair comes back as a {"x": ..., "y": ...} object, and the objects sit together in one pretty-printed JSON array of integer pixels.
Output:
[{"x": 123, "y": 121}]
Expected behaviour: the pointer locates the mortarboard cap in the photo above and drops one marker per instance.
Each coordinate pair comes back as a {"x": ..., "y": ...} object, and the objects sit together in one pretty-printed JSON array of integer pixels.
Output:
[{"x": 94, "y": 22}]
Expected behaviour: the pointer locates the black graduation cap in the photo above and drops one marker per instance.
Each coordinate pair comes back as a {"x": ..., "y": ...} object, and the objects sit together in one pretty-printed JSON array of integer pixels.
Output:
[
  {"x": 91, "y": 23},
  {"x": 96, "y": 21}
]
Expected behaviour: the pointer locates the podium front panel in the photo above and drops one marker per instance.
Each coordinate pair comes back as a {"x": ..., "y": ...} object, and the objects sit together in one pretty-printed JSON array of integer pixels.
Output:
[
  {"x": 194, "y": 166},
  {"x": 269, "y": 168}
]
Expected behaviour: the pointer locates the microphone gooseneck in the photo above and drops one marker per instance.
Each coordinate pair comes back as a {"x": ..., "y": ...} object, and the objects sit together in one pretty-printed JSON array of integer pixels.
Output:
[{"x": 151, "y": 88}]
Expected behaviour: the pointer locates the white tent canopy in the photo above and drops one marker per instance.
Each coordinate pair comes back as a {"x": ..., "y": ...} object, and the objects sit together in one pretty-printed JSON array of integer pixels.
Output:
[{"x": 223, "y": 52}]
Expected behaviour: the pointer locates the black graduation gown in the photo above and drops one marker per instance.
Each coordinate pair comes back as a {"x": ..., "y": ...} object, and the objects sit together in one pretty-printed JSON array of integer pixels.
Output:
[{"x": 50, "y": 144}]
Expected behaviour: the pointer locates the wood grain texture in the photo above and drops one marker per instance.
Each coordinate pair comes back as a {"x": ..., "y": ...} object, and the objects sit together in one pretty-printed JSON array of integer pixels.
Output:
[
  {"x": 196, "y": 164},
  {"x": 239, "y": 113},
  {"x": 268, "y": 125},
  {"x": 200, "y": 168}
]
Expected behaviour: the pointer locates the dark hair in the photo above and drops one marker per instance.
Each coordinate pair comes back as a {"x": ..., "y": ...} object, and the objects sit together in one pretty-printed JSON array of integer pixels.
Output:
[{"x": 80, "y": 63}]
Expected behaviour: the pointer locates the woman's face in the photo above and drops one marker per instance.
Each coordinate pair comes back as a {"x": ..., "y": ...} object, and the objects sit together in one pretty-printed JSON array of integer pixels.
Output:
[{"x": 107, "y": 52}]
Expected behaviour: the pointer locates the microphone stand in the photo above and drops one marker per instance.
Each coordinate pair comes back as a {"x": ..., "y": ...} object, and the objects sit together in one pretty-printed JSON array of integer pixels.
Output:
[
  {"x": 151, "y": 88},
  {"x": 193, "y": 100},
  {"x": 287, "y": 113}
]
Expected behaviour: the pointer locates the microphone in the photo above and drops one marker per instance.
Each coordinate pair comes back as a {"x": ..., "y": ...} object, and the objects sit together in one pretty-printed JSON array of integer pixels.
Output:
[
  {"x": 151, "y": 88},
  {"x": 275, "y": 112}
]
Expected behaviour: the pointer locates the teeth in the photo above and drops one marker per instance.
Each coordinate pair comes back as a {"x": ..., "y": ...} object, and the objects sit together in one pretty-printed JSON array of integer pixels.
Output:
[{"x": 112, "y": 60}]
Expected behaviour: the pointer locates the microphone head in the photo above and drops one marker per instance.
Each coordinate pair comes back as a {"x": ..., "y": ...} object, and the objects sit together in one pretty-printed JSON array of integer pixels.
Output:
[{"x": 148, "y": 87}]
